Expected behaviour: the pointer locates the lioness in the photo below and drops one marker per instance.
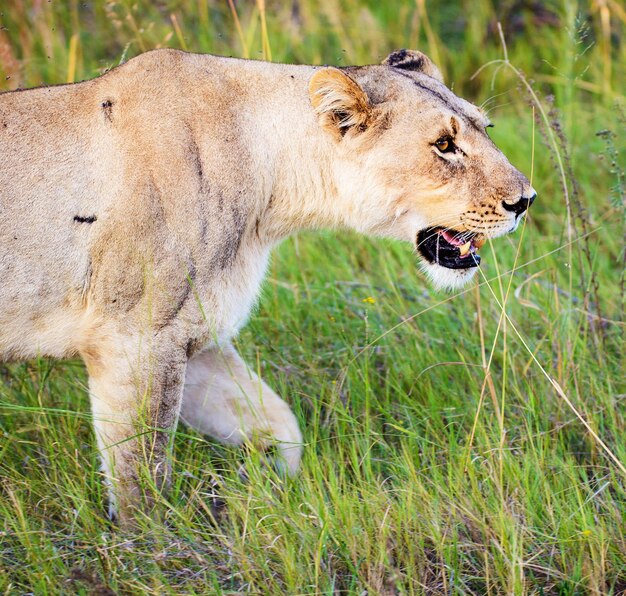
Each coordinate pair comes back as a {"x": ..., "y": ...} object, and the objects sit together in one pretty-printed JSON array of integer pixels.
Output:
[{"x": 138, "y": 211}]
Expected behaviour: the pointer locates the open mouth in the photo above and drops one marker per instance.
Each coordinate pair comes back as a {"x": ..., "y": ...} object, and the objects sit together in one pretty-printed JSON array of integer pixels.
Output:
[{"x": 449, "y": 248}]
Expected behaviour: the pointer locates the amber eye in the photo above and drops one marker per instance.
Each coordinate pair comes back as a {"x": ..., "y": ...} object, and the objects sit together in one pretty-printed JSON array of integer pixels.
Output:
[{"x": 445, "y": 145}]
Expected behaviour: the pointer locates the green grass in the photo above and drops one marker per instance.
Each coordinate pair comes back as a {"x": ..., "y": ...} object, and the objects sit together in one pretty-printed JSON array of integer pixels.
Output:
[{"x": 440, "y": 457}]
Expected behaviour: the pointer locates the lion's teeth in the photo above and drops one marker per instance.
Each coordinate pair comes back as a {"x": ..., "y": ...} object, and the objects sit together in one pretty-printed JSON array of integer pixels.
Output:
[{"x": 465, "y": 248}]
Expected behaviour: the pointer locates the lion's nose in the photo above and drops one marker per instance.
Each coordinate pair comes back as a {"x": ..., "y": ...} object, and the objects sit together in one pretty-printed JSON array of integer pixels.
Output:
[{"x": 522, "y": 205}]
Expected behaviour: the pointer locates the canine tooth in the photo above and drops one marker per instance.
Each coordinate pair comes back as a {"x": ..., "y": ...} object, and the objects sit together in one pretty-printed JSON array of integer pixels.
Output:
[{"x": 465, "y": 248}]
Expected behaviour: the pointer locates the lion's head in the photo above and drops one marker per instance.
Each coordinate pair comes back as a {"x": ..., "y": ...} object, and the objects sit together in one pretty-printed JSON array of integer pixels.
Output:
[{"x": 414, "y": 162}]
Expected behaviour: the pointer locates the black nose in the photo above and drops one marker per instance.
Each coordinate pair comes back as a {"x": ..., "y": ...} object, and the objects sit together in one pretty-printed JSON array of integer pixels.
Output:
[{"x": 522, "y": 205}]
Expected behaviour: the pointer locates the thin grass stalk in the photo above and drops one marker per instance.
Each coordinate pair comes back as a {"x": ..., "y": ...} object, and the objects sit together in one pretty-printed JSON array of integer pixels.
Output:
[
  {"x": 267, "y": 51},
  {"x": 431, "y": 38},
  {"x": 605, "y": 44},
  {"x": 178, "y": 31},
  {"x": 72, "y": 58},
  {"x": 242, "y": 39}
]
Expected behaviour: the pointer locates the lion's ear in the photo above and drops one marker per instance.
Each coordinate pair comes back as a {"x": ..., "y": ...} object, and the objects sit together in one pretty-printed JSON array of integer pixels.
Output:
[
  {"x": 339, "y": 101},
  {"x": 413, "y": 60}
]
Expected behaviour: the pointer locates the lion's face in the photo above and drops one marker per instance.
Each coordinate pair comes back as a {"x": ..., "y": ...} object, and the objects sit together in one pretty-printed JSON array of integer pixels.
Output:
[{"x": 417, "y": 164}]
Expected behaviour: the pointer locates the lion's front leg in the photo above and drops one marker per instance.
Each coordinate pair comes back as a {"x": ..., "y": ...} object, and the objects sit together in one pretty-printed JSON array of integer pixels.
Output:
[
  {"x": 135, "y": 388},
  {"x": 223, "y": 398}
]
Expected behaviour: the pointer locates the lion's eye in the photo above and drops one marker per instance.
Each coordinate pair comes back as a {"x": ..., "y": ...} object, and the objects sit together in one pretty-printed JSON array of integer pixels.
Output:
[{"x": 445, "y": 145}]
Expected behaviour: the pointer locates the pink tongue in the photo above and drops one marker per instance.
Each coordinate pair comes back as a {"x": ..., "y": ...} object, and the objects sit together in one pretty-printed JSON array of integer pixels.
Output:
[{"x": 451, "y": 238}]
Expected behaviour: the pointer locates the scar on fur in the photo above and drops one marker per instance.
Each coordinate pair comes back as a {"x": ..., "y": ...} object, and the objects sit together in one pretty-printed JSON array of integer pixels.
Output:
[
  {"x": 89, "y": 219},
  {"x": 107, "y": 108}
]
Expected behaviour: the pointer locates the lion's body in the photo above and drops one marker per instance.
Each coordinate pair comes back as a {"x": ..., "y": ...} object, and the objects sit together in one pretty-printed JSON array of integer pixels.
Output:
[
  {"x": 138, "y": 211},
  {"x": 104, "y": 178}
]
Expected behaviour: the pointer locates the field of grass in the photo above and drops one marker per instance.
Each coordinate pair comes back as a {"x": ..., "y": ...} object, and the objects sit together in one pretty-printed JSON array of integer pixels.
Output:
[{"x": 467, "y": 443}]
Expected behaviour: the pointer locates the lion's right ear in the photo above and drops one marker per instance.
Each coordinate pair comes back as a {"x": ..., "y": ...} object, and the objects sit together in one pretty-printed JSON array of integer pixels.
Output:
[
  {"x": 339, "y": 101},
  {"x": 413, "y": 60}
]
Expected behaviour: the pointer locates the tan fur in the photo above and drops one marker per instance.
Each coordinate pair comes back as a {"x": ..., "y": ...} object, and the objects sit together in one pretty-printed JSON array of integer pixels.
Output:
[{"x": 138, "y": 211}]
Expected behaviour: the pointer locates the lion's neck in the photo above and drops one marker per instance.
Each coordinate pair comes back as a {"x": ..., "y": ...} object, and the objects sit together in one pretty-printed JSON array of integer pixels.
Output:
[
  {"x": 298, "y": 161},
  {"x": 305, "y": 194}
]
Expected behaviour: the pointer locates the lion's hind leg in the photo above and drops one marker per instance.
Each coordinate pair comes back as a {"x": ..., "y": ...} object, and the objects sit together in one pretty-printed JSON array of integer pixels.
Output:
[{"x": 226, "y": 400}]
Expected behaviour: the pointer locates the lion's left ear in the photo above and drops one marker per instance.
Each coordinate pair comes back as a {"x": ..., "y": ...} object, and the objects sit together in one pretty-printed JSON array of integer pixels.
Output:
[
  {"x": 339, "y": 101},
  {"x": 413, "y": 60}
]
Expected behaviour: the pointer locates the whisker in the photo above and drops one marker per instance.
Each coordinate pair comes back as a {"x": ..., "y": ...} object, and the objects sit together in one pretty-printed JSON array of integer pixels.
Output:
[
  {"x": 500, "y": 105},
  {"x": 491, "y": 99}
]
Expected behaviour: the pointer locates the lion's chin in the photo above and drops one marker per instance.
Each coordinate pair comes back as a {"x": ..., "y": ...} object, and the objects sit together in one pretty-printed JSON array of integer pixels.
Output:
[{"x": 444, "y": 278}]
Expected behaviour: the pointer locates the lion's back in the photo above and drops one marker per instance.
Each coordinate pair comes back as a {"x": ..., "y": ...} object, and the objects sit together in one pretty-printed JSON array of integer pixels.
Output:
[{"x": 48, "y": 182}]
